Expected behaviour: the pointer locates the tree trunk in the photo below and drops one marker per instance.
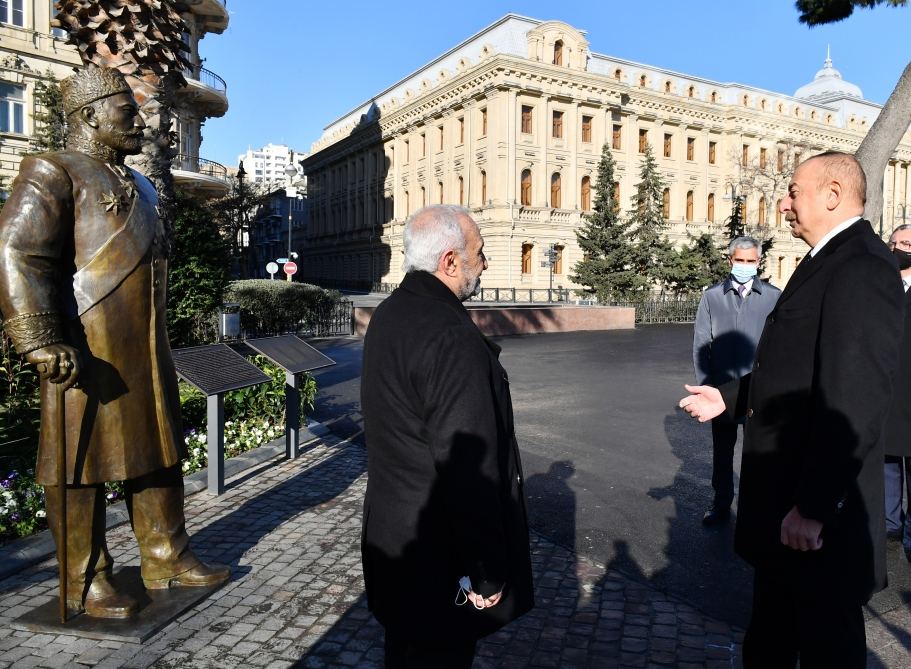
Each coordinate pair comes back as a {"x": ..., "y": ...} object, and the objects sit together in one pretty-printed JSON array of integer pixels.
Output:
[{"x": 879, "y": 145}]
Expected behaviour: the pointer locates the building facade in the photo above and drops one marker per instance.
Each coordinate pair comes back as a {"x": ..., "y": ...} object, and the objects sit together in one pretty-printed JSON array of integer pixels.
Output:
[
  {"x": 511, "y": 122},
  {"x": 282, "y": 215},
  {"x": 267, "y": 165},
  {"x": 29, "y": 48}
]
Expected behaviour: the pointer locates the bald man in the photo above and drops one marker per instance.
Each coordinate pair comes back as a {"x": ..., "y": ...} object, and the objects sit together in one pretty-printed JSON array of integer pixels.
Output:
[
  {"x": 810, "y": 517},
  {"x": 445, "y": 543}
]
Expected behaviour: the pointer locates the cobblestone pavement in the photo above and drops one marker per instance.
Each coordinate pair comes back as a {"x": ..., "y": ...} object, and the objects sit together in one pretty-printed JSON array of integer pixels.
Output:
[{"x": 290, "y": 531}]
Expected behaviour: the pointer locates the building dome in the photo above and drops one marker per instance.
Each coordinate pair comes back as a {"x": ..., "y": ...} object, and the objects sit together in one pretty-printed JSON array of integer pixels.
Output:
[{"x": 828, "y": 85}]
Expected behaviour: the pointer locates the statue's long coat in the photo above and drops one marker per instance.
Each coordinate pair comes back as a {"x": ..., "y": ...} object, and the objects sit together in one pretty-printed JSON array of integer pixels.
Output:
[{"x": 64, "y": 249}]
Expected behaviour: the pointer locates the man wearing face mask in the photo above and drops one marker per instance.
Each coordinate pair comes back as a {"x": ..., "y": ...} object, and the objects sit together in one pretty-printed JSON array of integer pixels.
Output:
[
  {"x": 898, "y": 424},
  {"x": 729, "y": 321}
]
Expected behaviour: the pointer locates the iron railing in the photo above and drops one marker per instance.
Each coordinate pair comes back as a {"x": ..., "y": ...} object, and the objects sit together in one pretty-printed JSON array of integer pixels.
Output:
[
  {"x": 207, "y": 78},
  {"x": 663, "y": 309},
  {"x": 199, "y": 165},
  {"x": 333, "y": 320},
  {"x": 522, "y": 295}
]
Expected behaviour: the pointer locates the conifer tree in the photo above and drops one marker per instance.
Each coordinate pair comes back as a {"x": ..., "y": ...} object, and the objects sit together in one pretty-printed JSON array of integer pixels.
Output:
[
  {"x": 606, "y": 269},
  {"x": 653, "y": 255},
  {"x": 50, "y": 119}
]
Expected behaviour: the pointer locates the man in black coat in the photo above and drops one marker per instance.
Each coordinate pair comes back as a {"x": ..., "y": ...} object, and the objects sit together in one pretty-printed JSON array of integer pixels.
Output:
[
  {"x": 445, "y": 533},
  {"x": 898, "y": 424},
  {"x": 810, "y": 515}
]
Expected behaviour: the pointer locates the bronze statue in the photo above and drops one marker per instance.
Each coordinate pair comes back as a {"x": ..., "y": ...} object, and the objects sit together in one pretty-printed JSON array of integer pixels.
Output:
[{"x": 83, "y": 274}]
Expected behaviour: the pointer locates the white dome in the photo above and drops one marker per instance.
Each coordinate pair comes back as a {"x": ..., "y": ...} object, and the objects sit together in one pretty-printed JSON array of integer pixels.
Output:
[{"x": 828, "y": 85}]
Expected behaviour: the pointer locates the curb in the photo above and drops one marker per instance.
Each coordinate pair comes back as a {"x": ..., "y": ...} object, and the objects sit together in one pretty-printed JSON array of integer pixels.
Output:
[{"x": 22, "y": 553}]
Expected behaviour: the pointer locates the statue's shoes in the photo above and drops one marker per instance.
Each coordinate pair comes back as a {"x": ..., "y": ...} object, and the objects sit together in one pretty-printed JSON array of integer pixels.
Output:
[
  {"x": 202, "y": 575},
  {"x": 103, "y": 601}
]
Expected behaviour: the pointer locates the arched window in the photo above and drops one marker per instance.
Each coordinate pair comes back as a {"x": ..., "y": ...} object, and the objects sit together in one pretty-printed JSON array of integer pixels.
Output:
[
  {"x": 743, "y": 209},
  {"x": 407, "y": 204},
  {"x": 558, "y": 259},
  {"x": 642, "y": 81},
  {"x": 762, "y": 210},
  {"x": 689, "y": 205},
  {"x": 667, "y": 86},
  {"x": 666, "y": 203},
  {"x": 691, "y": 92},
  {"x": 461, "y": 191},
  {"x": 526, "y": 188},
  {"x": 616, "y": 195},
  {"x": 440, "y": 192},
  {"x": 555, "y": 190},
  {"x": 483, "y": 186},
  {"x": 618, "y": 74},
  {"x": 586, "y": 196},
  {"x": 558, "y": 52},
  {"x": 710, "y": 208},
  {"x": 714, "y": 96},
  {"x": 746, "y": 100},
  {"x": 423, "y": 197},
  {"x": 778, "y": 213},
  {"x": 526, "y": 258}
]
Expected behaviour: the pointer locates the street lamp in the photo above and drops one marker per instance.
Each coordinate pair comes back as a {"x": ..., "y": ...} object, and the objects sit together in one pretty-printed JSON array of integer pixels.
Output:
[{"x": 291, "y": 193}]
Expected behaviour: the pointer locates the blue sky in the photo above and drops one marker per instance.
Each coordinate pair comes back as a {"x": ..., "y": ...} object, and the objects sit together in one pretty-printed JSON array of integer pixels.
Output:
[{"x": 294, "y": 66}]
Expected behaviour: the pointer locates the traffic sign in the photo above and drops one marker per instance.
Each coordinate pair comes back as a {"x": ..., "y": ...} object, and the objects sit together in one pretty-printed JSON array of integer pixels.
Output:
[
  {"x": 290, "y": 268},
  {"x": 281, "y": 261},
  {"x": 271, "y": 268}
]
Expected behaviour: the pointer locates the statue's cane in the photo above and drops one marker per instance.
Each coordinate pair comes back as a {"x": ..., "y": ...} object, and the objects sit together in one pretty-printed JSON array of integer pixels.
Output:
[{"x": 61, "y": 481}]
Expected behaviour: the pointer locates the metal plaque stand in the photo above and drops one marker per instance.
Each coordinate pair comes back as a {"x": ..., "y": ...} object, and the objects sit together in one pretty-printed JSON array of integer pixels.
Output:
[
  {"x": 215, "y": 370},
  {"x": 295, "y": 356}
]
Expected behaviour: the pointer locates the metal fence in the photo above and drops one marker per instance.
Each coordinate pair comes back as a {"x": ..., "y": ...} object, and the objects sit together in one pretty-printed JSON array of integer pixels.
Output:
[
  {"x": 335, "y": 320},
  {"x": 664, "y": 309},
  {"x": 522, "y": 295}
]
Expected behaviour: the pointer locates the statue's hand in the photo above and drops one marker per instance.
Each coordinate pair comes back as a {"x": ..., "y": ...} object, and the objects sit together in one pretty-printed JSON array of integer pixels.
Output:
[{"x": 58, "y": 363}]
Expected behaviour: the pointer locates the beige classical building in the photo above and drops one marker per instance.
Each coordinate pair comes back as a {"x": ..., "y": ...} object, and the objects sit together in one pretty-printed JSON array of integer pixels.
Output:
[
  {"x": 511, "y": 122},
  {"x": 29, "y": 47}
]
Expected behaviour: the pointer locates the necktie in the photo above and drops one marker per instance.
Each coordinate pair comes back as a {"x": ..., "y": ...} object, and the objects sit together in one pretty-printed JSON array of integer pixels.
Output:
[{"x": 742, "y": 289}]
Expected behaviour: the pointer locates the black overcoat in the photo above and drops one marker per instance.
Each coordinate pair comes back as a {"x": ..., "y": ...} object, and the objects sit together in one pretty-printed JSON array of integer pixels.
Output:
[
  {"x": 816, "y": 403},
  {"x": 445, "y": 494},
  {"x": 898, "y": 424}
]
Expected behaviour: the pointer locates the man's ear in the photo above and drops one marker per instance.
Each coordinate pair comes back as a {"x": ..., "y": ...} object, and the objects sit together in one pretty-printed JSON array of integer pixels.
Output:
[
  {"x": 89, "y": 116},
  {"x": 834, "y": 195},
  {"x": 448, "y": 265}
]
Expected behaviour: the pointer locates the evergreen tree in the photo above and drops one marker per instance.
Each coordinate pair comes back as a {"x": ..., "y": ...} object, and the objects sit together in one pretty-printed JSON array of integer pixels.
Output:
[
  {"x": 698, "y": 265},
  {"x": 197, "y": 272},
  {"x": 606, "y": 269},
  {"x": 653, "y": 255},
  {"x": 734, "y": 223},
  {"x": 50, "y": 119}
]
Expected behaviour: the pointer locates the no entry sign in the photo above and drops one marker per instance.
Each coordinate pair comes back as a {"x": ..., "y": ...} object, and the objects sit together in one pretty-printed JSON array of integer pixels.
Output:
[{"x": 290, "y": 268}]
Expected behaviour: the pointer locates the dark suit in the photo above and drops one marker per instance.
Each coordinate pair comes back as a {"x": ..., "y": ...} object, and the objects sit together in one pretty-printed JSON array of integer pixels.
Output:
[
  {"x": 445, "y": 494},
  {"x": 898, "y": 441},
  {"x": 816, "y": 402}
]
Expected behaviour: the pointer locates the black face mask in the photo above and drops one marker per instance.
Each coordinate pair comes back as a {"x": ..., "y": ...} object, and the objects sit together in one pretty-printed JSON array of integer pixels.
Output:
[{"x": 903, "y": 257}]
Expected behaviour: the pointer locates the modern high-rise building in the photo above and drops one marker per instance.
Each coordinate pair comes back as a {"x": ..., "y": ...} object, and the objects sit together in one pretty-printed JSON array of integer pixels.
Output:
[
  {"x": 511, "y": 123},
  {"x": 268, "y": 165},
  {"x": 29, "y": 47}
]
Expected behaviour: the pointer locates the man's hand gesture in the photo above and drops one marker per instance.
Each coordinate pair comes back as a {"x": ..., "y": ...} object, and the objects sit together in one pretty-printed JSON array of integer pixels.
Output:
[{"x": 704, "y": 403}]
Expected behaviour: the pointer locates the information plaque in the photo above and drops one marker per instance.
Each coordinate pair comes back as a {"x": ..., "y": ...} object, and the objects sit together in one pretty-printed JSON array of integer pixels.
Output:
[
  {"x": 295, "y": 356},
  {"x": 215, "y": 370}
]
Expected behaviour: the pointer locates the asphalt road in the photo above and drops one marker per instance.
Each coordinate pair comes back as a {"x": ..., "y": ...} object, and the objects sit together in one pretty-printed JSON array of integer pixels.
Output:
[{"x": 613, "y": 469}]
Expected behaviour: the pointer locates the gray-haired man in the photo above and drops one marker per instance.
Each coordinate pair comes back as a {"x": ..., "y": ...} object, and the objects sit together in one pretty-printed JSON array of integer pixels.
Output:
[{"x": 729, "y": 321}]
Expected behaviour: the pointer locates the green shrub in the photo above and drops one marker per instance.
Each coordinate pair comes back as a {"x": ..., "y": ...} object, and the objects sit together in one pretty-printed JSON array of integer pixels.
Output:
[{"x": 268, "y": 306}]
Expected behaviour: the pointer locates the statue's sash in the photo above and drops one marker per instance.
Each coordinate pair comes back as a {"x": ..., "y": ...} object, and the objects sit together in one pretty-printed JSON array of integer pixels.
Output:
[{"x": 122, "y": 252}]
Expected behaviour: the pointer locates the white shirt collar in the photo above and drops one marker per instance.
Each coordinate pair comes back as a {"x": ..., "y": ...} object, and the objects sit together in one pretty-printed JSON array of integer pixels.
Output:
[{"x": 834, "y": 231}]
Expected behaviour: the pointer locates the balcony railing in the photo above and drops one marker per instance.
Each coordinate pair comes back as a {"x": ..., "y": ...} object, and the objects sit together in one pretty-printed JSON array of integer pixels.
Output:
[
  {"x": 199, "y": 165},
  {"x": 207, "y": 78}
]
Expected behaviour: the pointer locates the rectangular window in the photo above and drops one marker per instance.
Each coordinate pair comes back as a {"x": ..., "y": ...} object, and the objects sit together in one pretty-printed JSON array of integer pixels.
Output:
[
  {"x": 526, "y": 119},
  {"x": 461, "y": 129},
  {"x": 484, "y": 122},
  {"x": 643, "y": 140},
  {"x": 586, "y": 128},
  {"x": 712, "y": 147},
  {"x": 667, "y": 145},
  {"x": 557, "y": 125},
  {"x": 762, "y": 158},
  {"x": 12, "y": 108},
  {"x": 745, "y": 155},
  {"x": 780, "y": 160},
  {"x": 526, "y": 258},
  {"x": 691, "y": 148},
  {"x": 11, "y": 11},
  {"x": 616, "y": 136}
]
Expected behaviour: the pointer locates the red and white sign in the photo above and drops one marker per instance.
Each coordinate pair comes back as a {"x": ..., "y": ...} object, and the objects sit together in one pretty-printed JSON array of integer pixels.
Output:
[{"x": 290, "y": 268}]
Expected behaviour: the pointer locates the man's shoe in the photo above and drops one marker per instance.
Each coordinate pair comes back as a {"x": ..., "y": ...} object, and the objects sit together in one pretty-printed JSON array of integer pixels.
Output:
[
  {"x": 716, "y": 515},
  {"x": 103, "y": 601},
  {"x": 202, "y": 575}
]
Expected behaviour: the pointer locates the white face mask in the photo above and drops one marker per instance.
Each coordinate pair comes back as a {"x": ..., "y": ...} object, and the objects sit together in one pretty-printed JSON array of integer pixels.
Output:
[{"x": 743, "y": 272}]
